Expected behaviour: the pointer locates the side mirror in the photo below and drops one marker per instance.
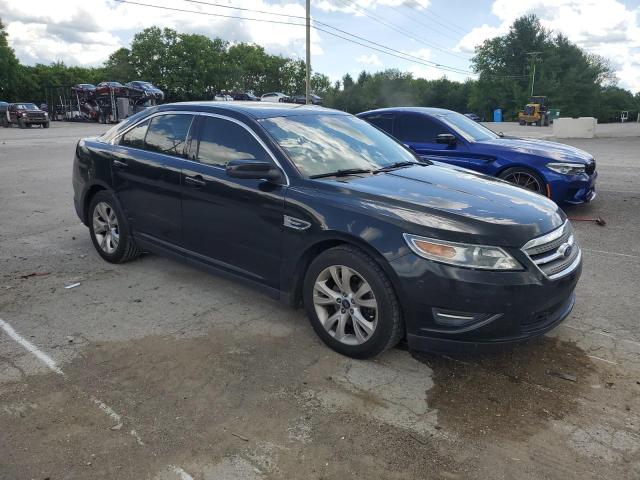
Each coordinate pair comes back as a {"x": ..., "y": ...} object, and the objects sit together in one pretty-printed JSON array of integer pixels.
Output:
[
  {"x": 446, "y": 138},
  {"x": 501, "y": 135},
  {"x": 252, "y": 169}
]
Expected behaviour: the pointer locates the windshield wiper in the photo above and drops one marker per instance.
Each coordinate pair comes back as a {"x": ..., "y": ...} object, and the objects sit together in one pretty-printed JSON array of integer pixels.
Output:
[
  {"x": 341, "y": 173},
  {"x": 393, "y": 166}
]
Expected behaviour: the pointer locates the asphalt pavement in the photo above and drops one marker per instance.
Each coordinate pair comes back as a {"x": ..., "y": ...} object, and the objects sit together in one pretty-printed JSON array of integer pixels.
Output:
[{"x": 156, "y": 370}]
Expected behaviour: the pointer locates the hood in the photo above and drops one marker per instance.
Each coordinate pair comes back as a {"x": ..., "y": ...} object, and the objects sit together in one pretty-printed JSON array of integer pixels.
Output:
[
  {"x": 455, "y": 204},
  {"x": 557, "y": 152}
]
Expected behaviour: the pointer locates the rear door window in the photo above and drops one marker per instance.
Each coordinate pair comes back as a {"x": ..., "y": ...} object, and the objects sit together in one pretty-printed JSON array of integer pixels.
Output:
[
  {"x": 221, "y": 141},
  {"x": 167, "y": 134},
  {"x": 417, "y": 128}
]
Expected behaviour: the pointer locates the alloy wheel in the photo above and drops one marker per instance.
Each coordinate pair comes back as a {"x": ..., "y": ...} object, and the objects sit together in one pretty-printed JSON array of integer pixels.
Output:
[
  {"x": 524, "y": 180},
  {"x": 345, "y": 305},
  {"x": 105, "y": 227}
]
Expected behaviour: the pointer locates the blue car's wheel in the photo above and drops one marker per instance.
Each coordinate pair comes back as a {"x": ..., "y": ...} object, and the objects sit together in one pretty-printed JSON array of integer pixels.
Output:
[{"x": 525, "y": 178}]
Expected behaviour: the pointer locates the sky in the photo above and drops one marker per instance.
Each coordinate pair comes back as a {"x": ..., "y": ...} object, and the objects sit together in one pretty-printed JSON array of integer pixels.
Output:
[{"x": 437, "y": 37}]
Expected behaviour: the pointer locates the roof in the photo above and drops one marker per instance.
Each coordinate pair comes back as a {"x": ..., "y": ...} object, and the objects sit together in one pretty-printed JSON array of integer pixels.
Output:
[
  {"x": 427, "y": 110},
  {"x": 254, "y": 109}
]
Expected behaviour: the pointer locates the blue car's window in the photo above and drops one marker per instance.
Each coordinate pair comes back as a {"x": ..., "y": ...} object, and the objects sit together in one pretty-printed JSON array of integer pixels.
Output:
[
  {"x": 320, "y": 144},
  {"x": 382, "y": 121},
  {"x": 222, "y": 141},
  {"x": 418, "y": 128},
  {"x": 167, "y": 134},
  {"x": 467, "y": 128}
]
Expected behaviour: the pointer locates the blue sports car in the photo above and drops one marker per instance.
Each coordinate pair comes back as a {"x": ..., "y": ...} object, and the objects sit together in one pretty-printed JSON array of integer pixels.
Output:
[{"x": 563, "y": 173}]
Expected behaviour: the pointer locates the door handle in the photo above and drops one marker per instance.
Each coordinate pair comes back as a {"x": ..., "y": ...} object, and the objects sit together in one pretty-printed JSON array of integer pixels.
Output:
[
  {"x": 196, "y": 181},
  {"x": 120, "y": 164}
]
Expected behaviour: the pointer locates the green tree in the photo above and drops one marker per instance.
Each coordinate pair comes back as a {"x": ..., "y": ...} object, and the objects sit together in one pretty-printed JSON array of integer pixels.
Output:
[
  {"x": 9, "y": 68},
  {"x": 118, "y": 66}
]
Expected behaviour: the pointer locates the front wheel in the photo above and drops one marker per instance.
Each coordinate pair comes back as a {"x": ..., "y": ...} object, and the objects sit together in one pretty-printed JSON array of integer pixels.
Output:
[
  {"x": 351, "y": 303},
  {"x": 109, "y": 230},
  {"x": 525, "y": 178},
  {"x": 45, "y": 125}
]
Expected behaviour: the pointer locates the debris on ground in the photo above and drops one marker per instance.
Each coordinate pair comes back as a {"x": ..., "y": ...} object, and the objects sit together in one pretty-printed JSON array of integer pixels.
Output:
[
  {"x": 72, "y": 285},
  {"x": 563, "y": 375},
  {"x": 34, "y": 274},
  {"x": 597, "y": 220},
  {"x": 244, "y": 439}
]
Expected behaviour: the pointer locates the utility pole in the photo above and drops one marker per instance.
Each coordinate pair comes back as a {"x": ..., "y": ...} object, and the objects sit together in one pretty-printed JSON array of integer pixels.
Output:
[
  {"x": 533, "y": 56},
  {"x": 308, "y": 86}
]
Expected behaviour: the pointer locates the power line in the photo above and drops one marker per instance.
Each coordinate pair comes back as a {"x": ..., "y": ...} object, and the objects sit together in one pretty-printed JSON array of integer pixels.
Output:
[
  {"x": 438, "y": 30},
  {"x": 383, "y": 49},
  {"x": 376, "y": 18},
  {"x": 423, "y": 61},
  {"x": 425, "y": 12},
  {"x": 403, "y": 57},
  {"x": 162, "y": 7},
  {"x": 245, "y": 9}
]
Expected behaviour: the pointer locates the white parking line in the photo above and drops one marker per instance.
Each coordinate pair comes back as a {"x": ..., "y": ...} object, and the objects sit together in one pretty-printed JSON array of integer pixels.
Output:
[
  {"x": 183, "y": 475},
  {"x": 48, "y": 361},
  {"x": 107, "y": 409},
  {"x": 39, "y": 354},
  {"x": 628, "y": 255}
]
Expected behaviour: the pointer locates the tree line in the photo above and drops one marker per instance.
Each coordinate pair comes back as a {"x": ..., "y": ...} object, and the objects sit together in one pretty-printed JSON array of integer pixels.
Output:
[{"x": 196, "y": 67}]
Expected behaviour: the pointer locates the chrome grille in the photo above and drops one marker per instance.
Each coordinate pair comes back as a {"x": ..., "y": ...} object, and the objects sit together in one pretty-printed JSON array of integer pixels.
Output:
[{"x": 556, "y": 254}]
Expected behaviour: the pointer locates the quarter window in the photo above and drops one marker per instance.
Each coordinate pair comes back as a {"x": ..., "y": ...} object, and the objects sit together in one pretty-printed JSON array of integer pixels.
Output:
[
  {"x": 418, "y": 129},
  {"x": 135, "y": 137},
  {"x": 222, "y": 141},
  {"x": 168, "y": 134}
]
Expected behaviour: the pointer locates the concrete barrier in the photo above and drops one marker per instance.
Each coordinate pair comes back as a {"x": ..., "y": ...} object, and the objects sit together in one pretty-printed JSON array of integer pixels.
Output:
[{"x": 583, "y": 127}]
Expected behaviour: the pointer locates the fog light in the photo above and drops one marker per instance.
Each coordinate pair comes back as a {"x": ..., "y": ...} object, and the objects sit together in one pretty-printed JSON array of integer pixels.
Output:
[{"x": 452, "y": 318}]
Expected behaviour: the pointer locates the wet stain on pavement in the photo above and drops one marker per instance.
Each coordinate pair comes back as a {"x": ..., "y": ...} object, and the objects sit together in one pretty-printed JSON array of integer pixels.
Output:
[{"x": 514, "y": 392}]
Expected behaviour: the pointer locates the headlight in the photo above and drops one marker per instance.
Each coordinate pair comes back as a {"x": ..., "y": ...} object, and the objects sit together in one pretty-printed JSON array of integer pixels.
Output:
[
  {"x": 462, "y": 254},
  {"x": 46, "y": 114},
  {"x": 566, "y": 168}
]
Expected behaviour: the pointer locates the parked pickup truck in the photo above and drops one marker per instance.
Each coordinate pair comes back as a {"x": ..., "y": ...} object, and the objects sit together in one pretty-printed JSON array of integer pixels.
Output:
[{"x": 26, "y": 114}]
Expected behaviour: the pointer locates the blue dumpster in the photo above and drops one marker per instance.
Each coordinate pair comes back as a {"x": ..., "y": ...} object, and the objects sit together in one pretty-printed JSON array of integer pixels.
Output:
[{"x": 497, "y": 115}]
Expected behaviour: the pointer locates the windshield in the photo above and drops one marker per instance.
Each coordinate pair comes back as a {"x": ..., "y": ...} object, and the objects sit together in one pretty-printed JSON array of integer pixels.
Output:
[
  {"x": 472, "y": 131},
  {"x": 26, "y": 106},
  {"x": 321, "y": 144}
]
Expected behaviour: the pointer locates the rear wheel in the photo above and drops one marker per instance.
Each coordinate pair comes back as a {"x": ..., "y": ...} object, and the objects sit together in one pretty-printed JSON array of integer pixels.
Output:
[
  {"x": 351, "y": 303},
  {"x": 109, "y": 230},
  {"x": 525, "y": 178}
]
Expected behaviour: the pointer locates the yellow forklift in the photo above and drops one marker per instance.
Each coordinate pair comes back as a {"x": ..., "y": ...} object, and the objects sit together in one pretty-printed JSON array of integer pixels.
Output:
[{"x": 535, "y": 113}]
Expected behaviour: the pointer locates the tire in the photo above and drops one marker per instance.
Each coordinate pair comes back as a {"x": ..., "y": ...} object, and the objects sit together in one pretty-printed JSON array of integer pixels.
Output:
[
  {"x": 45, "y": 125},
  {"x": 21, "y": 124},
  {"x": 522, "y": 122},
  {"x": 382, "y": 327},
  {"x": 120, "y": 249},
  {"x": 518, "y": 175}
]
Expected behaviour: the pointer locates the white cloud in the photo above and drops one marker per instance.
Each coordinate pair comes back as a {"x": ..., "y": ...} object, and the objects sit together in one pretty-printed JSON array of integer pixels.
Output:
[
  {"x": 85, "y": 33},
  {"x": 355, "y": 7},
  {"x": 604, "y": 27},
  {"x": 369, "y": 60}
]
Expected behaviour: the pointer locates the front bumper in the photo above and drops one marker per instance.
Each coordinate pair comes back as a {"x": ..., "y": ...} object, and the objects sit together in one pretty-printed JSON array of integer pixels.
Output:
[
  {"x": 573, "y": 190},
  {"x": 511, "y": 306}
]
